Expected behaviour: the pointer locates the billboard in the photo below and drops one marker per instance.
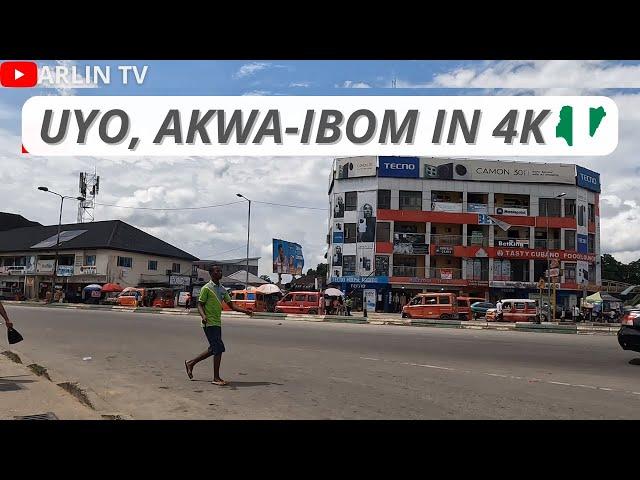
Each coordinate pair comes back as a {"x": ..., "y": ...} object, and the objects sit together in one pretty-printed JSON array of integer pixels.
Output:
[
  {"x": 365, "y": 259},
  {"x": 410, "y": 243},
  {"x": 338, "y": 232},
  {"x": 497, "y": 171},
  {"x": 399, "y": 167},
  {"x": 356, "y": 167},
  {"x": 287, "y": 257},
  {"x": 338, "y": 205},
  {"x": 583, "y": 243},
  {"x": 367, "y": 201},
  {"x": 588, "y": 179},
  {"x": 336, "y": 259}
]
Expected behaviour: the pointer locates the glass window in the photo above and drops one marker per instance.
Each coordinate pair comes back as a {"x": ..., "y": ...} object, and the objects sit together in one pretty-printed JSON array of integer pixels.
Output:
[
  {"x": 410, "y": 200},
  {"x": 416, "y": 301},
  {"x": 90, "y": 260},
  {"x": 444, "y": 300},
  {"x": 251, "y": 296},
  {"x": 125, "y": 262},
  {"x": 348, "y": 265},
  {"x": 350, "y": 233},
  {"x": 153, "y": 265},
  {"x": 311, "y": 298},
  {"x": 570, "y": 239},
  {"x": 569, "y": 207},
  {"x": 239, "y": 296},
  {"x": 592, "y": 212},
  {"x": 592, "y": 243},
  {"x": 351, "y": 201},
  {"x": 384, "y": 199},
  {"x": 383, "y": 231},
  {"x": 549, "y": 207},
  {"x": 430, "y": 300},
  {"x": 569, "y": 272},
  {"x": 299, "y": 298},
  {"x": 175, "y": 268}
]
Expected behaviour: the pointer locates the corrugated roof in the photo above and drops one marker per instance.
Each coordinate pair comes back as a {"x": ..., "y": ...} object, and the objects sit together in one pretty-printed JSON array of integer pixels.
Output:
[{"x": 111, "y": 234}]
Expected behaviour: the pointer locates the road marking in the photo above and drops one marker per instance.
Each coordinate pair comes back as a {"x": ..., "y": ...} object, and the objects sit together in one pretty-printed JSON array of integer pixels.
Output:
[
  {"x": 369, "y": 358},
  {"x": 562, "y": 383}
]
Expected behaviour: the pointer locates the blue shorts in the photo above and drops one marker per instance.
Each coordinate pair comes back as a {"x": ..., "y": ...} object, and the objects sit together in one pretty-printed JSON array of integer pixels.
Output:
[{"x": 214, "y": 336}]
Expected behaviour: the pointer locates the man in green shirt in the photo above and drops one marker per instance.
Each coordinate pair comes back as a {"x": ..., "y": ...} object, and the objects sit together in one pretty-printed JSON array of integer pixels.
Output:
[{"x": 210, "y": 308}]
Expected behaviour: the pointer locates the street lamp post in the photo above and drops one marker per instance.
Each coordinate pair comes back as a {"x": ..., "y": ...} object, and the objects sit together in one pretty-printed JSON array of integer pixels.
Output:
[
  {"x": 54, "y": 277},
  {"x": 546, "y": 214},
  {"x": 248, "y": 233}
]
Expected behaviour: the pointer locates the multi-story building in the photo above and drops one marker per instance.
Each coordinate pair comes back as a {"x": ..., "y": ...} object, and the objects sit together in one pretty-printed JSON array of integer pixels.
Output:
[
  {"x": 97, "y": 252},
  {"x": 403, "y": 225}
]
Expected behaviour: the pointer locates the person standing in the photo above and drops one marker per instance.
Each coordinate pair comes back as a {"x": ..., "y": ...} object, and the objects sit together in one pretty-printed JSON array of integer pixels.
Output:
[
  {"x": 187, "y": 302},
  {"x": 348, "y": 304},
  {"x": 210, "y": 308},
  {"x": 499, "y": 310}
]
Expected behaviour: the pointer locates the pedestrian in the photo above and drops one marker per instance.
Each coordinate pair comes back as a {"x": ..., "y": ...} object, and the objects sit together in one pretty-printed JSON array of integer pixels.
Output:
[
  {"x": 499, "y": 310},
  {"x": 210, "y": 308},
  {"x": 5, "y": 316},
  {"x": 348, "y": 304},
  {"x": 187, "y": 302}
]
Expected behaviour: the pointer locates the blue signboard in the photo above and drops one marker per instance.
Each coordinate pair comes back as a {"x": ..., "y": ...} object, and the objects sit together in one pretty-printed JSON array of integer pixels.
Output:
[
  {"x": 588, "y": 179},
  {"x": 357, "y": 279},
  {"x": 338, "y": 237},
  {"x": 401, "y": 167},
  {"x": 583, "y": 243},
  {"x": 484, "y": 219}
]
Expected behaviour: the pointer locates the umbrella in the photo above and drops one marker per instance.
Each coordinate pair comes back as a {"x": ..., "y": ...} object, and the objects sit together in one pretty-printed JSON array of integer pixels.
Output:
[
  {"x": 93, "y": 286},
  {"x": 111, "y": 287},
  {"x": 268, "y": 289},
  {"x": 333, "y": 292}
]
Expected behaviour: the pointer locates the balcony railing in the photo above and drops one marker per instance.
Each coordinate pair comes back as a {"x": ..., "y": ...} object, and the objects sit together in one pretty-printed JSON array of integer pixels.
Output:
[{"x": 450, "y": 240}]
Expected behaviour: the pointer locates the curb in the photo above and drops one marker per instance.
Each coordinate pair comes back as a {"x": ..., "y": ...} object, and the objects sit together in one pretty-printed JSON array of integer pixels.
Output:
[{"x": 603, "y": 329}]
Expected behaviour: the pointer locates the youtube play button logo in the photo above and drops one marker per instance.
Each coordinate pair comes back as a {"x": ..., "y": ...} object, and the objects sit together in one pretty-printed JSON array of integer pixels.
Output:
[{"x": 18, "y": 74}]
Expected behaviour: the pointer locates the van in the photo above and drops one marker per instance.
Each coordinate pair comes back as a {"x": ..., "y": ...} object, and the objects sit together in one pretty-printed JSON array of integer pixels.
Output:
[
  {"x": 301, "y": 302},
  {"x": 131, "y": 297},
  {"x": 464, "y": 306},
  {"x": 242, "y": 298},
  {"x": 516, "y": 310},
  {"x": 432, "y": 305}
]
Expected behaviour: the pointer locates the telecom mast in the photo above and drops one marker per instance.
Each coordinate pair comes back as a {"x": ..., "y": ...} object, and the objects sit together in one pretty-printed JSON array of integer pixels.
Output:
[{"x": 89, "y": 187}]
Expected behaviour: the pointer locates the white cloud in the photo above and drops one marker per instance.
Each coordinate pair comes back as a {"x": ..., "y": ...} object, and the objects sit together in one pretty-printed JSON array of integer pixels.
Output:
[
  {"x": 256, "y": 93},
  {"x": 352, "y": 84},
  {"x": 541, "y": 74},
  {"x": 300, "y": 84},
  {"x": 250, "y": 69},
  {"x": 74, "y": 76}
]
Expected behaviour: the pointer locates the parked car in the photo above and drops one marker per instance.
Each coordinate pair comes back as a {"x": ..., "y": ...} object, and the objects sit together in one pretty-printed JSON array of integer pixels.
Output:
[
  {"x": 432, "y": 305},
  {"x": 464, "y": 306},
  {"x": 479, "y": 309},
  {"x": 516, "y": 310},
  {"x": 301, "y": 302},
  {"x": 629, "y": 333}
]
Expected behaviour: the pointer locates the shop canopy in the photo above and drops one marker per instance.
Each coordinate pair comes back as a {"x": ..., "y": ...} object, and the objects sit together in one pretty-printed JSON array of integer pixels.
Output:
[{"x": 600, "y": 297}]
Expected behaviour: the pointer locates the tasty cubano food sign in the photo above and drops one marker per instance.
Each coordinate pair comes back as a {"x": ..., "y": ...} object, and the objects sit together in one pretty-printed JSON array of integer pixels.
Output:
[{"x": 338, "y": 126}]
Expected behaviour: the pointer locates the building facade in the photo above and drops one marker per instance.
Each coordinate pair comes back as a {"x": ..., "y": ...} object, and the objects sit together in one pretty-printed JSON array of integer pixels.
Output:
[
  {"x": 403, "y": 225},
  {"x": 97, "y": 252}
]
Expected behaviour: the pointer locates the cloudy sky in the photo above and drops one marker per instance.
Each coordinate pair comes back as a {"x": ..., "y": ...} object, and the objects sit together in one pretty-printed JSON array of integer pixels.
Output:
[{"x": 197, "y": 181}]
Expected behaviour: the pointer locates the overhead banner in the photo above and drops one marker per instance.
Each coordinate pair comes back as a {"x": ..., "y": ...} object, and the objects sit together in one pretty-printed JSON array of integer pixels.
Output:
[
  {"x": 287, "y": 257},
  {"x": 356, "y": 167},
  {"x": 497, "y": 171}
]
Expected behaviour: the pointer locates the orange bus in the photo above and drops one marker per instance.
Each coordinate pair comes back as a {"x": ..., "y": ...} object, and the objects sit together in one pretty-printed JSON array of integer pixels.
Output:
[{"x": 432, "y": 305}]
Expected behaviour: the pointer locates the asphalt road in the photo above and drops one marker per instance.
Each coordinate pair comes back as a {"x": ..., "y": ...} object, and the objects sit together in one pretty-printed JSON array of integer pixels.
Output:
[{"x": 305, "y": 370}]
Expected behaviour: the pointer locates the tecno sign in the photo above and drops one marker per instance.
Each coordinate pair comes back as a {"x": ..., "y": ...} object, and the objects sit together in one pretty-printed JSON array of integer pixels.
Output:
[{"x": 402, "y": 167}]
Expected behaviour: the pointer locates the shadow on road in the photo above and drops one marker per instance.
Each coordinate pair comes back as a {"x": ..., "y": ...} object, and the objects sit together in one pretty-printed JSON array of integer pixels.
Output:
[{"x": 232, "y": 385}]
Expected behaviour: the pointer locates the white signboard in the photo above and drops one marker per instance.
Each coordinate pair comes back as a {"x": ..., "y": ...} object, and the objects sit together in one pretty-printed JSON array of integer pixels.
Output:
[
  {"x": 497, "y": 171},
  {"x": 356, "y": 167},
  {"x": 179, "y": 280},
  {"x": 519, "y": 212},
  {"x": 65, "y": 270},
  {"x": 45, "y": 266},
  {"x": 446, "y": 207},
  {"x": 370, "y": 299},
  {"x": 88, "y": 270}
]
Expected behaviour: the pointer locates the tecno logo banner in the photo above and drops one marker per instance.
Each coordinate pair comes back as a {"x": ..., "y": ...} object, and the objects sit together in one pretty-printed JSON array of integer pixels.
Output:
[
  {"x": 399, "y": 167},
  {"x": 588, "y": 179}
]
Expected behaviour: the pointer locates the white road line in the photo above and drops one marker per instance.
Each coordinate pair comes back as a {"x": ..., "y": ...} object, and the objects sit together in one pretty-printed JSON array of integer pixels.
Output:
[
  {"x": 562, "y": 383},
  {"x": 369, "y": 358}
]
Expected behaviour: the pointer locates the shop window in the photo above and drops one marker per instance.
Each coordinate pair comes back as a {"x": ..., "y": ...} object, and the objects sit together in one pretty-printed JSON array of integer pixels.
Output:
[
  {"x": 351, "y": 201},
  {"x": 383, "y": 231},
  {"x": 384, "y": 199}
]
